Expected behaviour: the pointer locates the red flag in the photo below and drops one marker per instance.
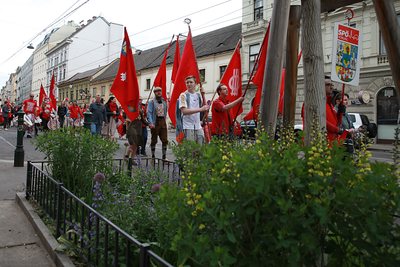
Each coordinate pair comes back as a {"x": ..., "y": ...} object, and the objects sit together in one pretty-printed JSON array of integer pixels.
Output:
[
  {"x": 187, "y": 66},
  {"x": 232, "y": 78},
  {"x": 161, "y": 78},
  {"x": 52, "y": 93},
  {"x": 258, "y": 78},
  {"x": 177, "y": 59},
  {"x": 125, "y": 86},
  {"x": 42, "y": 95}
]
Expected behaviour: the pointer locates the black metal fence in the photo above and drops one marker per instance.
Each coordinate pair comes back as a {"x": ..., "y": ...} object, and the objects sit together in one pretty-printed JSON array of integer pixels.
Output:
[{"x": 99, "y": 241}]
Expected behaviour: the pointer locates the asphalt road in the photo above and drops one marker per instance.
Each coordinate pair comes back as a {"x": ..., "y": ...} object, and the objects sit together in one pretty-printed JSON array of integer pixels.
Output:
[{"x": 8, "y": 141}]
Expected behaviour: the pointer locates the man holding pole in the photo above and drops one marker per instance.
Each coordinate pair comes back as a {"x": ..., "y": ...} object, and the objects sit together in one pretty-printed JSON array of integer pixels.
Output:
[
  {"x": 156, "y": 116},
  {"x": 222, "y": 125}
]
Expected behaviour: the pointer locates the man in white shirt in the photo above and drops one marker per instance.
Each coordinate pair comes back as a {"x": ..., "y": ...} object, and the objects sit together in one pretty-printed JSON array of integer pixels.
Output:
[{"x": 190, "y": 104}]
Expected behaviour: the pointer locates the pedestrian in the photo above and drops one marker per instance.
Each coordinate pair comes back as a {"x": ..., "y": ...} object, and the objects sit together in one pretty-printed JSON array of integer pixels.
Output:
[
  {"x": 156, "y": 116},
  {"x": 222, "y": 119},
  {"x": 188, "y": 116},
  {"x": 75, "y": 114},
  {"x": 98, "y": 115},
  {"x": 134, "y": 133},
  {"x": 110, "y": 126},
  {"x": 62, "y": 112},
  {"x": 45, "y": 113},
  {"x": 144, "y": 131},
  {"x": 6, "y": 109},
  {"x": 29, "y": 106}
]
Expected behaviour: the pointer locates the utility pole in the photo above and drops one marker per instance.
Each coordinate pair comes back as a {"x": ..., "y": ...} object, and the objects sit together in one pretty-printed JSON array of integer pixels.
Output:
[{"x": 313, "y": 65}]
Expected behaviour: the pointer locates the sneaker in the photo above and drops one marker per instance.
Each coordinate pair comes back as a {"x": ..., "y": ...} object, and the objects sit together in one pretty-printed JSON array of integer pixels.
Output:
[
  {"x": 6, "y": 129},
  {"x": 29, "y": 136}
]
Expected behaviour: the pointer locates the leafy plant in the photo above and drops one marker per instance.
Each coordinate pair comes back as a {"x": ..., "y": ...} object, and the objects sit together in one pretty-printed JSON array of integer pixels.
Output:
[
  {"x": 75, "y": 155},
  {"x": 276, "y": 203}
]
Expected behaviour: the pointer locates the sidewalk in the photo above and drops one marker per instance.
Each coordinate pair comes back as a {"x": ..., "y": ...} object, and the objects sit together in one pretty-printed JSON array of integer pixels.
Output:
[
  {"x": 19, "y": 243},
  {"x": 382, "y": 147}
]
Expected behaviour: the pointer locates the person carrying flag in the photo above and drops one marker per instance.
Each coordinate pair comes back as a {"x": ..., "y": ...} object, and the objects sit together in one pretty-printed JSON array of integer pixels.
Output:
[
  {"x": 190, "y": 107},
  {"x": 222, "y": 125},
  {"x": 156, "y": 116}
]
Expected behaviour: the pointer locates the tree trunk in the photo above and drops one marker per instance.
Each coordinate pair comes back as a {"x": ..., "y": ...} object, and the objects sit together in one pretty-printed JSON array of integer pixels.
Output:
[
  {"x": 387, "y": 19},
  {"x": 292, "y": 50},
  {"x": 273, "y": 66},
  {"x": 315, "y": 98}
]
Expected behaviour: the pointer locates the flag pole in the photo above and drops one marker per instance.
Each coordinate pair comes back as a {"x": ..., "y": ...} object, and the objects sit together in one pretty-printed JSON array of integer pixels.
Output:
[
  {"x": 252, "y": 74},
  {"x": 215, "y": 92},
  {"x": 152, "y": 87}
]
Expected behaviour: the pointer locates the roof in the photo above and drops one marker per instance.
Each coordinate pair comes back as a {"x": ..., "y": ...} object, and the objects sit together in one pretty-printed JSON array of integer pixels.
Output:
[
  {"x": 206, "y": 44},
  {"x": 80, "y": 76},
  {"x": 109, "y": 73}
]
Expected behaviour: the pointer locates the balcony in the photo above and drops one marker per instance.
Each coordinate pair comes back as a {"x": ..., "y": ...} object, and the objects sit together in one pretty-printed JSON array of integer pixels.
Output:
[{"x": 383, "y": 59}]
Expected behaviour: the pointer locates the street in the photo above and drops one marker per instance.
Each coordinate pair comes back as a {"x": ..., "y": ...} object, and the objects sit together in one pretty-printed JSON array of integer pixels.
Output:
[{"x": 8, "y": 141}]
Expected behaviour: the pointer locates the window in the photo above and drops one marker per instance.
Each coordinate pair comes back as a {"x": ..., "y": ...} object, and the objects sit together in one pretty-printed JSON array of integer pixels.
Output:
[
  {"x": 71, "y": 95},
  {"x": 387, "y": 106},
  {"x": 221, "y": 71},
  {"x": 258, "y": 9},
  {"x": 382, "y": 48},
  {"x": 94, "y": 91},
  {"x": 103, "y": 91},
  {"x": 202, "y": 73},
  {"x": 253, "y": 53},
  {"x": 148, "y": 82},
  {"x": 64, "y": 73}
]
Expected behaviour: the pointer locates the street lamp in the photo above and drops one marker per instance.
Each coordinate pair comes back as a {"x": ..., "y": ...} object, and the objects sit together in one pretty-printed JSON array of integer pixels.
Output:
[{"x": 30, "y": 46}]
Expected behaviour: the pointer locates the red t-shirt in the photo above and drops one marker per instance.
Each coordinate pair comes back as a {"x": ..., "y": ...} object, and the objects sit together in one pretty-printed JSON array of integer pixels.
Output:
[
  {"x": 74, "y": 112},
  {"x": 221, "y": 119},
  {"x": 46, "y": 112},
  {"x": 29, "y": 106}
]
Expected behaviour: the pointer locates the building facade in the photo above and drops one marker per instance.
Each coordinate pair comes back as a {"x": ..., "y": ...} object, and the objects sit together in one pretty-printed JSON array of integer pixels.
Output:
[
  {"x": 39, "y": 68},
  {"x": 375, "y": 96},
  {"x": 91, "y": 46}
]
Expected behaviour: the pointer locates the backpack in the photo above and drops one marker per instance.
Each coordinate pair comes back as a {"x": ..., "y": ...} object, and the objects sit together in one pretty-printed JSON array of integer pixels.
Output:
[{"x": 179, "y": 115}]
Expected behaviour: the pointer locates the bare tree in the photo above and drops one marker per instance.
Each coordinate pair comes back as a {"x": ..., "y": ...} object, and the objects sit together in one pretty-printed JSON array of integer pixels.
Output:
[{"x": 313, "y": 64}]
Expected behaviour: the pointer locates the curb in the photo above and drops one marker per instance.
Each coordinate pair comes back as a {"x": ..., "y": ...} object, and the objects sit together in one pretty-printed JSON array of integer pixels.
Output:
[{"x": 48, "y": 240}]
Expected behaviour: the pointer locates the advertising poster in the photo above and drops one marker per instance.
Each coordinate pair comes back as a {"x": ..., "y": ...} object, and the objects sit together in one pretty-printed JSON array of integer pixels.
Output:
[{"x": 346, "y": 55}]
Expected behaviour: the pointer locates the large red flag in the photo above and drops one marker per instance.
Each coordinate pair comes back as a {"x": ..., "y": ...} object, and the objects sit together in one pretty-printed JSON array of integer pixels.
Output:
[
  {"x": 42, "y": 95},
  {"x": 187, "y": 66},
  {"x": 125, "y": 86},
  {"x": 177, "y": 59},
  {"x": 258, "y": 78},
  {"x": 161, "y": 78},
  {"x": 232, "y": 78},
  {"x": 52, "y": 93}
]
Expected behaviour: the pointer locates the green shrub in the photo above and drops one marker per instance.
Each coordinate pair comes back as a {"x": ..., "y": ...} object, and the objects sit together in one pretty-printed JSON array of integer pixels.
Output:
[
  {"x": 275, "y": 203},
  {"x": 75, "y": 155}
]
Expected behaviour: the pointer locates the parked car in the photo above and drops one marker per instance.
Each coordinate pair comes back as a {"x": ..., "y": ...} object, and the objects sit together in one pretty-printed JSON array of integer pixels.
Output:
[
  {"x": 248, "y": 128},
  {"x": 360, "y": 122}
]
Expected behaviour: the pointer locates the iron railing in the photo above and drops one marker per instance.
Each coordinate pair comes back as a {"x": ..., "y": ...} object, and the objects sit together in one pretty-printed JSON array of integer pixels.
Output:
[{"x": 100, "y": 242}]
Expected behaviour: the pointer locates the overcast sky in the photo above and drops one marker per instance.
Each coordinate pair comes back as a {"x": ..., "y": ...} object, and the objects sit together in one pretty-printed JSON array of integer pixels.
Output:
[{"x": 149, "y": 23}]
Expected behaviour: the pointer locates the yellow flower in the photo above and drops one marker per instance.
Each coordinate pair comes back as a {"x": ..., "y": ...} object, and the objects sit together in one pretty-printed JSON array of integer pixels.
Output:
[
  {"x": 202, "y": 226},
  {"x": 190, "y": 202},
  {"x": 224, "y": 157}
]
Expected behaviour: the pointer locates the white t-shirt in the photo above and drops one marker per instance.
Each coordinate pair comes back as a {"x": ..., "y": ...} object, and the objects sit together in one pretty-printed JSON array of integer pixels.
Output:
[{"x": 190, "y": 122}]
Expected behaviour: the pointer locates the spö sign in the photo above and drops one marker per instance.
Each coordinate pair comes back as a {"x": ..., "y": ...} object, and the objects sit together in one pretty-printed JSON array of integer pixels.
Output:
[{"x": 346, "y": 55}]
